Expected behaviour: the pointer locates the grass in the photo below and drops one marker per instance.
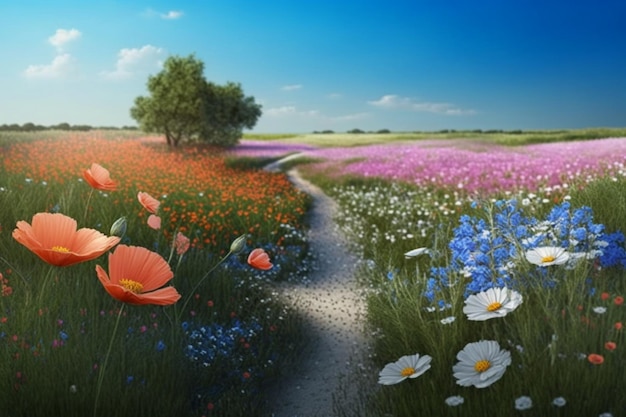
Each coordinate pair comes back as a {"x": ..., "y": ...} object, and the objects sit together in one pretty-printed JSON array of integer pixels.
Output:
[
  {"x": 216, "y": 350},
  {"x": 507, "y": 138}
]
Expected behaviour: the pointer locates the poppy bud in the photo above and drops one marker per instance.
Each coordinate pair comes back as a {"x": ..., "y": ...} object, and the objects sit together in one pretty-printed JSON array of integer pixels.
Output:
[
  {"x": 238, "y": 244},
  {"x": 119, "y": 227}
]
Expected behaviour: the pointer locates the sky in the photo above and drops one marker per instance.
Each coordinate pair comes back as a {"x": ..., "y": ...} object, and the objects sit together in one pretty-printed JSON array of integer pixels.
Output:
[{"x": 403, "y": 65}]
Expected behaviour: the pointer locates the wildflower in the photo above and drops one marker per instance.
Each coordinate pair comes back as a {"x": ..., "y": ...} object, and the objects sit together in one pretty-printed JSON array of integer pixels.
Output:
[
  {"x": 455, "y": 400},
  {"x": 137, "y": 276},
  {"x": 416, "y": 252},
  {"x": 54, "y": 238},
  {"x": 618, "y": 325},
  {"x": 595, "y": 359},
  {"x": 448, "y": 320},
  {"x": 547, "y": 255},
  {"x": 559, "y": 401},
  {"x": 181, "y": 243},
  {"x": 410, "y": 366},
  {"x": 604, "y": 296},
  {"x": 495, "y": 302},
  {"x": 259, "y": 259},
  {"x": 618, "y": 300},
  {"x": 599, "y": 310},
  {"x": 481, "y": 364},
  {"x": 154, "y": 222},
  {"x": 610, "y": 345},
  {"x": 523, "y": 403},
  {"x": 148, "y": 202},
  {"x": 99, "y": 178}
]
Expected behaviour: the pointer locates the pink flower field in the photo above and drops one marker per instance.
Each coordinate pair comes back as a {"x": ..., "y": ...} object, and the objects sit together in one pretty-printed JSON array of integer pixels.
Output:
[{"x": 476, "y": 167}]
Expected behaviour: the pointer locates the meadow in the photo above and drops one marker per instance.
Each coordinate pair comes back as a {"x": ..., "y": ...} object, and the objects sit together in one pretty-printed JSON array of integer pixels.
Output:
[
  {"x": 70, "y": 348},
  {"x": 441, "y": 225}
]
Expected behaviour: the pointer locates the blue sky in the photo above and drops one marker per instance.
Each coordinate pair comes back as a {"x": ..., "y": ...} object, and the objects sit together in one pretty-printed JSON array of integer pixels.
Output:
[{"x": 326, "y": 64}]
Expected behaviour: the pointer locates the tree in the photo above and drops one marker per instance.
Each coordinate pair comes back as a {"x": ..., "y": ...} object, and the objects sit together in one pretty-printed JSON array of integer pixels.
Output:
[{"x": 185, "y": 107}]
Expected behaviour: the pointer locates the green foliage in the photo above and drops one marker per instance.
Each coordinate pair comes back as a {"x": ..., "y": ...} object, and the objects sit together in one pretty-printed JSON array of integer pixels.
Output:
[{"x": 185, "y": 107}]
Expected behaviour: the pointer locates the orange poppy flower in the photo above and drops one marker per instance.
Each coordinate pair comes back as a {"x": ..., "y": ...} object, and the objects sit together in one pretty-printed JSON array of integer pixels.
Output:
[
  {"x": 595, "y": 359},
  {"x": 259, "y": 259},
  {"x": 99, "y": 178},
  {"x": 54, "y": 238},
  {"x": 148, "y": 202},
  {"x": 136, "y": 277},
  {"x": 181, "y": 244},
  {"x": 154, "y": 222}
]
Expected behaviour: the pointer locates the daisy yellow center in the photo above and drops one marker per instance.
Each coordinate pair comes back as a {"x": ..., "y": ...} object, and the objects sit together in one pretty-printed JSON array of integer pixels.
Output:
[
  {"x": 494, "y": 306},
  {"x": 547, "y": 259},
  {"x": 408, "y": 371},
  {"x": 62, "y": 249},
  {"x": 482, "y": 366},
  {"x": 132, "y": 286}
]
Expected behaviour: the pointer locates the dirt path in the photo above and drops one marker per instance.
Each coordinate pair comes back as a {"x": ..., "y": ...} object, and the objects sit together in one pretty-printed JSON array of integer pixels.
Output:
[{"x": 333, "y": 310}]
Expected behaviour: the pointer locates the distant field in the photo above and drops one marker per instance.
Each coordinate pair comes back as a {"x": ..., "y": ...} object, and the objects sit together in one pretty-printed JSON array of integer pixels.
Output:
[{"x": 508, "y": 138}]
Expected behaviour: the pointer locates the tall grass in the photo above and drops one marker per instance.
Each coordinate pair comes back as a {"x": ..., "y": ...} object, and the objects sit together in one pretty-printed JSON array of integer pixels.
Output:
[{"x": 215, "y": 351}]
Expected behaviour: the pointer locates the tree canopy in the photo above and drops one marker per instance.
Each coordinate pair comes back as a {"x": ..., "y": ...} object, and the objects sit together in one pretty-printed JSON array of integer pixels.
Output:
[{"x": 184, "y": 106}]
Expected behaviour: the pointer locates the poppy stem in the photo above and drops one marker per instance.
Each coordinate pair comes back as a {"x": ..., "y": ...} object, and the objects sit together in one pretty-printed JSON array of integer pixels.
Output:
[
  {"x": 87, "y": 206},
  {"x": 106, "y": 360},
  {"x": 193, "y": 290},
  {"x": 16, "y": 271}
]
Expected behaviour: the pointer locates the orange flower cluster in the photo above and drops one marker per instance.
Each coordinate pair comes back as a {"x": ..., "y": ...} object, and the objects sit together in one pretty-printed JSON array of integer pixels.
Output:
[{"x": 197, "y": 191}]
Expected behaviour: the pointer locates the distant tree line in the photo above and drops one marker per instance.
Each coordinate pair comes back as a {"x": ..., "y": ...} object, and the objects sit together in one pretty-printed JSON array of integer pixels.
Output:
[
  {"x": 31, "y": 127},
  {"x": 488, "y": 131}
]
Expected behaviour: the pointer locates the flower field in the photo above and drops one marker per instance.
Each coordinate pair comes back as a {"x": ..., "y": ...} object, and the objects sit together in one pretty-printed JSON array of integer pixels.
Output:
[
  {"x": 468, "y": 166},
  {"x": 495, "y": 276},
  {"x": 500, "y": 299},
  {"x": 136, "y": 280}
]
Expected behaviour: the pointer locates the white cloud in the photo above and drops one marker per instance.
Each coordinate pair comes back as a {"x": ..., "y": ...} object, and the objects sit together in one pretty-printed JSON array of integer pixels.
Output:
[
  {"x": 63, "y": 36},
  {"x": 135, "y": 60},
  {"x": 61, "y": 65},
  {"x": 291, "y": 87},
  {"x": 172, "y": 14},
  {"x": 354, "y": 116},
  {"x": 392, "y": 101},
  {"x": 290, "y": 111}
]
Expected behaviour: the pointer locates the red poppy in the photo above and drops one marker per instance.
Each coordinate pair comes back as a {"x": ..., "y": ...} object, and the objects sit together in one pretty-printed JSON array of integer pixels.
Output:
[
  {"x": 54, "y": 238},
  {"x": 136, "y": 277},
  {"x": 610, "y": 345},
  {"x": 259, "y": 259},
  {"x": 595, "y": 359},
  {"x": 99, "y": 178},
  {"x": 148, "y": 202},
  {"x": 618, "y": 300}
]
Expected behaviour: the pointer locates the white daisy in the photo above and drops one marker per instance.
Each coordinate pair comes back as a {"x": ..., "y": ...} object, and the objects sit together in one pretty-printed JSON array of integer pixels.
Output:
[
  {"x": 455, "y": 400},
  {"x": 416, "y": 252},
  {"x": 410, "y": 366},
  {"x": 599, "y": 310},
  {"x": 547, "y": 255},
  {"x": 523, "y": 403},
  {"x": 448, "y": 320},
  {"x": 495, "y": 302},
  {"x": 481, "y": 364}
]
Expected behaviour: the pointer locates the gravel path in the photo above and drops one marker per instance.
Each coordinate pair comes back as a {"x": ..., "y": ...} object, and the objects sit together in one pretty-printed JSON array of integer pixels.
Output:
[{"x": 333, "y": 310}]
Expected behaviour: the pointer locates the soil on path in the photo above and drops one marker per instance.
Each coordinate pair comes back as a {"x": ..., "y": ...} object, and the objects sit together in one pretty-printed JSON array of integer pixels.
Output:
[{"x": 333, "y": 312}]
